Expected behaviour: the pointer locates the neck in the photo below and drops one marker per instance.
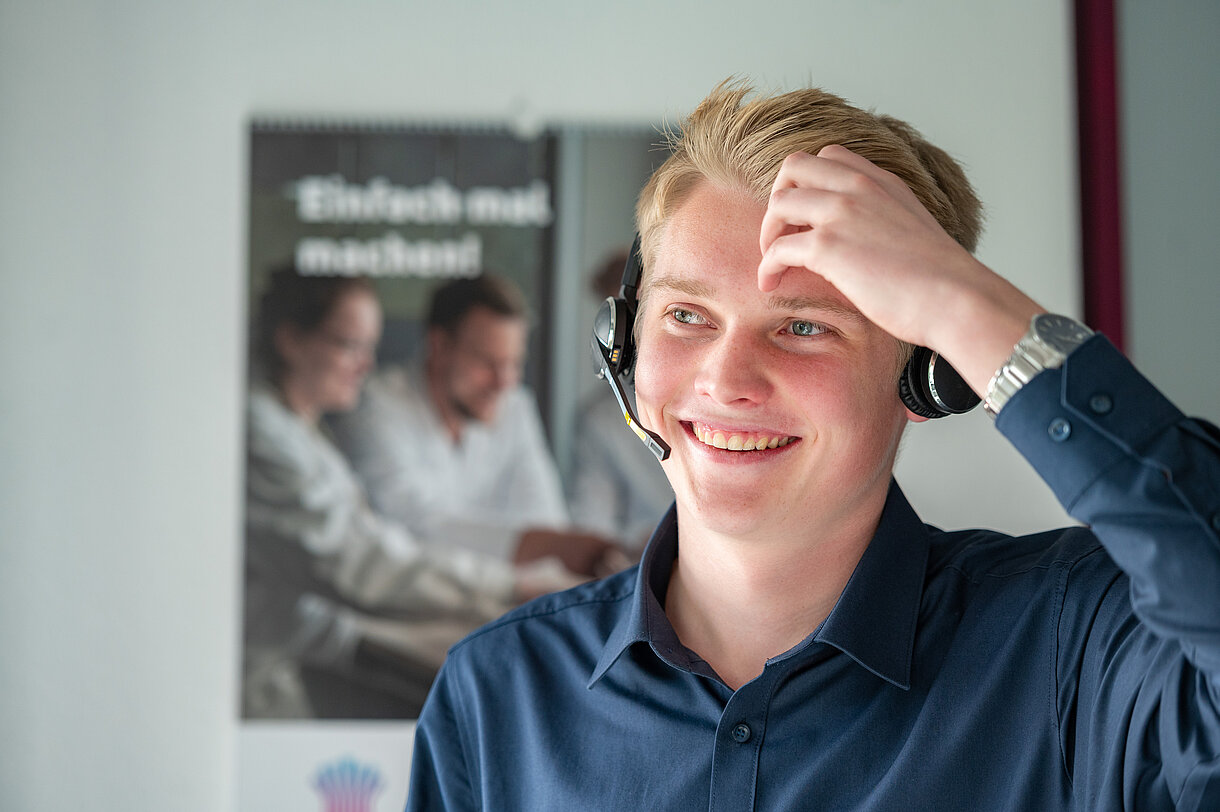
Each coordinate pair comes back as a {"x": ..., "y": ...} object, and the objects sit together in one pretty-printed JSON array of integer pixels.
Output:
[
  {"x": 297, "y": 403},
  {"x": 740, "y": 602}
]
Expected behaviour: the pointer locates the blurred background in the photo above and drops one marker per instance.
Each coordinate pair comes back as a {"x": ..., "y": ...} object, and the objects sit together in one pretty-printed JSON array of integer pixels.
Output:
[{"x": 124, "y": 133}]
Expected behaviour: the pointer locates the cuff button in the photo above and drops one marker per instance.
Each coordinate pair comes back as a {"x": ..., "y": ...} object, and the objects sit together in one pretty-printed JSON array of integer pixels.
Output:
[{"x": 1059, "y": 430}]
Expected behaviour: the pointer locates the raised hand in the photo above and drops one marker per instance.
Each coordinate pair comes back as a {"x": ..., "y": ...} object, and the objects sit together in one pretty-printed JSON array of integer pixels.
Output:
[{"x": 858, "y": 226}]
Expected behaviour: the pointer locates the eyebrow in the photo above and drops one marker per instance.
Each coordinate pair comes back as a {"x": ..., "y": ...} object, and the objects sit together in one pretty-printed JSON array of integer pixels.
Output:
[
  {"x": 690, "y": 287},
  {"x": 816, "y": 303}
]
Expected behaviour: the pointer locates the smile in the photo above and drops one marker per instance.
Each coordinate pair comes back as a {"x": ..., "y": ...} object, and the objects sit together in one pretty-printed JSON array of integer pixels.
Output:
[{"x": 739, "y": 441}]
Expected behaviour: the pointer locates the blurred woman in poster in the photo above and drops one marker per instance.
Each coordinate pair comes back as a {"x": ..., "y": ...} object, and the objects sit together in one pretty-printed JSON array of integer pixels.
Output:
[{"x": 345, "y": 614}]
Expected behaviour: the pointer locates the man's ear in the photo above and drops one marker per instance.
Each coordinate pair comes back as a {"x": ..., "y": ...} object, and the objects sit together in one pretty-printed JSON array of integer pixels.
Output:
[{"x": 915, "y": 418}]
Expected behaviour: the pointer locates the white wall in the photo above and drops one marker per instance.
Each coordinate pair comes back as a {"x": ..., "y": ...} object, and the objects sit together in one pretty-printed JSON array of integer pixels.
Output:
[
  {"x": 122, "y": 177},
  {"x": 1169, "y": 85}
]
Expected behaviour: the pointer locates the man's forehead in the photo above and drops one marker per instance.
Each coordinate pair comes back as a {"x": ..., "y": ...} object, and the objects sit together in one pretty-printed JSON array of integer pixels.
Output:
[
  {"x": 793, "y": 302},
  {"x": 480, "y": 318},
  {"x": 487, "y": 331}
]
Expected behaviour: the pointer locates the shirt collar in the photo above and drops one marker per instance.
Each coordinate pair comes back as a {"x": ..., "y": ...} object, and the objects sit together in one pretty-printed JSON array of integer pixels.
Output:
[
  {"x": 646, "y": 622},
  {"x": 873, "y": 622},
  {"x": 875, "y": 619}
]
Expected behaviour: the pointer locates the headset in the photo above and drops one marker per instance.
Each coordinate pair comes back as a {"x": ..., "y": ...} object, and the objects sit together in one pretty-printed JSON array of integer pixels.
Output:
[
  {"x": 614, "y": 347},
  {"x": 928, "y": 385}
]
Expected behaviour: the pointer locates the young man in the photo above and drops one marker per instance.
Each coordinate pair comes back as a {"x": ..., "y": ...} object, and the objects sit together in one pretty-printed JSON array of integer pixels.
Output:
[{"x": 795, "y": 638}]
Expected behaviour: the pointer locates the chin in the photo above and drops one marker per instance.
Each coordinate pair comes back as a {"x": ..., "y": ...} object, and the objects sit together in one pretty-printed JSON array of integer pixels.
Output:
[
  {"x": 734, "y": 512},
  {"x": 484, "y": 414},
  {"x": 345, "y": 403}
]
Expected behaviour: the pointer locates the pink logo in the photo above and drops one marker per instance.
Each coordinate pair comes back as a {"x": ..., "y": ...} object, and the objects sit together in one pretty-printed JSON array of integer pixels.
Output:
[{"x": 346, "y": 786}]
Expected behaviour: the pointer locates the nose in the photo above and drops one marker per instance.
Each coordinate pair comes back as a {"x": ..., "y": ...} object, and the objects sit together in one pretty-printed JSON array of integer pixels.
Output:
[{"x": 734, "y": 370}]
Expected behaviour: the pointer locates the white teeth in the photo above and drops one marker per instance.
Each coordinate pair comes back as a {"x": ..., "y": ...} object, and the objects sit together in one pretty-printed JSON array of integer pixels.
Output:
[{"x": 737, "y": 442}]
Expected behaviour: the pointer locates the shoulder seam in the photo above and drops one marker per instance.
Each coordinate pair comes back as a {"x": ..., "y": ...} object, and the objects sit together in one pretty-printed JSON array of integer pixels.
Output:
[
  {"x": 1068, "y": 561},
  {"x": 521, "y": 614}
]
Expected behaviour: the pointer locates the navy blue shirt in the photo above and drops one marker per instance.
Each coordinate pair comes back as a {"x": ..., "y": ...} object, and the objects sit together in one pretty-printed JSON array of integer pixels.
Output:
[{"x": 959, "y": 670}]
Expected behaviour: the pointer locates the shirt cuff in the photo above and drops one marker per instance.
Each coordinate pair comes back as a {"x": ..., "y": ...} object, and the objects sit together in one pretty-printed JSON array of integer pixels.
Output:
[{"x": 1073, "y": 423}]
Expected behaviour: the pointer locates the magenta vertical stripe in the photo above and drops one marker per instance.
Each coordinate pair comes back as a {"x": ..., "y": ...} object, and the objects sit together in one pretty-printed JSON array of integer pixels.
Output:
[{"x": 1100, "y": 179}]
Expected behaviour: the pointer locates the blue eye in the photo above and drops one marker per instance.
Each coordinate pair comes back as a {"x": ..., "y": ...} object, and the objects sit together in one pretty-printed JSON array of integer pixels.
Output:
[
  {"x": 806, "y": 328},
  {"x": 684, "y": 316}
]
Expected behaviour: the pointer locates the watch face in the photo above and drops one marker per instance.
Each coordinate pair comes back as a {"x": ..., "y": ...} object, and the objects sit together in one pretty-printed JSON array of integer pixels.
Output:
[{"x": 1060, "y": 332}]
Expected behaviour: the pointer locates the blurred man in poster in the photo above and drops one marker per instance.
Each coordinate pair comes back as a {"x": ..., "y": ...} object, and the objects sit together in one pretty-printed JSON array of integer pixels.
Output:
[{"x": 452, "y": 445}]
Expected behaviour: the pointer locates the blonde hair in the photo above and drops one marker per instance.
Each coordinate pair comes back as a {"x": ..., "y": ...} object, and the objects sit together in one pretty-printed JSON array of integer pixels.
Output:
[{"x": 738, "y": 140}]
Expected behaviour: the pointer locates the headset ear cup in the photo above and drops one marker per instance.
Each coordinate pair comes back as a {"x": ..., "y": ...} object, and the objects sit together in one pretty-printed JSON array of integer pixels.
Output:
[
  {"x": 930, "y": 387},
  {"x": 624, "y": 336},
  {"x": 612, "y": 334},
  {"x": 911, "y": 387}
]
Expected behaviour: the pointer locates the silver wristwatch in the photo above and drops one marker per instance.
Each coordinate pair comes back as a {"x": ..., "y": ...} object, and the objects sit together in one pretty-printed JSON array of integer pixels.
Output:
[{"x": 1045, "y": 345}]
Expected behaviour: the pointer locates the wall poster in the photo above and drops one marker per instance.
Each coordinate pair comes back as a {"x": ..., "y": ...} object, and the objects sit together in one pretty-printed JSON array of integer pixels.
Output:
[{"x": 406, "y": 208}]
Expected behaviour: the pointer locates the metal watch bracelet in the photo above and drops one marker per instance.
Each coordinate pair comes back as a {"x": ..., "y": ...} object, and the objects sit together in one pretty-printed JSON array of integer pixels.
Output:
[{"x": 1045, "y": 345}]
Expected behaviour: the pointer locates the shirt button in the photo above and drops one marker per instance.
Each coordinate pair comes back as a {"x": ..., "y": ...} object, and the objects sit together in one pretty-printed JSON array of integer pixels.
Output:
[
  {"x": 1101, "y": 403},
  {"x": 1059, "y": 430},
  {"x": 741, "y": 733}
]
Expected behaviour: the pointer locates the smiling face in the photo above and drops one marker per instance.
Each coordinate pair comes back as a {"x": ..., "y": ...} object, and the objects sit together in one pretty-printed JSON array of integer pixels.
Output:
[
  {"x": 781, "y": 408},
  {"x": 324, "y": 368},
  {"x": 471, "y": 368}
]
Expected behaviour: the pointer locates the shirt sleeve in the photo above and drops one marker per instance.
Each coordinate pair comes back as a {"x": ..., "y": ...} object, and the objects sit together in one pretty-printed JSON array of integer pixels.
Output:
[
  {"x": 1139, "y": 663},
  {"x": 300, "y": 492}
]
